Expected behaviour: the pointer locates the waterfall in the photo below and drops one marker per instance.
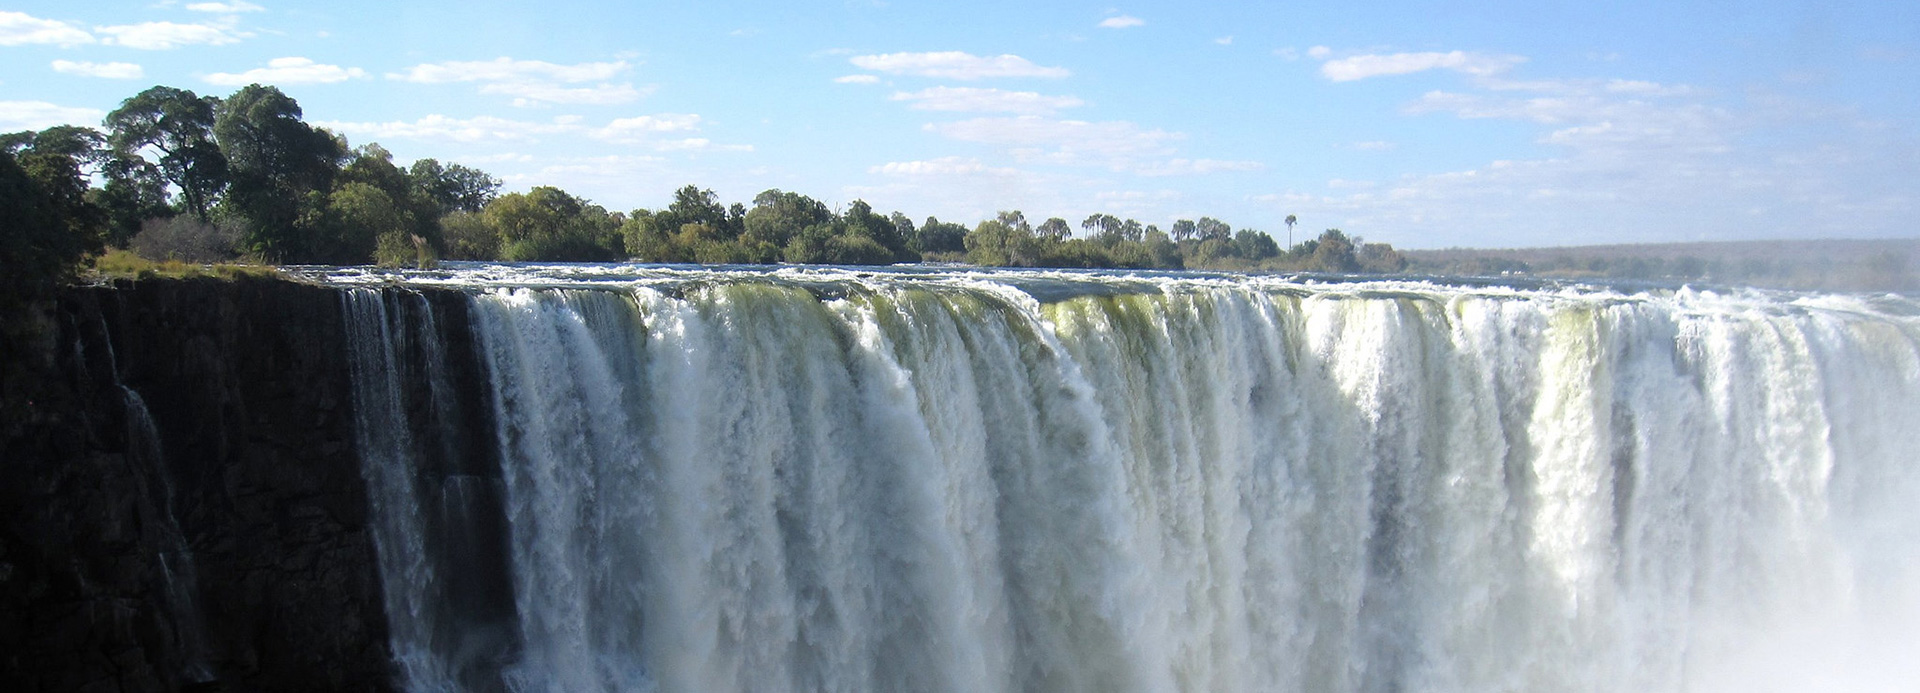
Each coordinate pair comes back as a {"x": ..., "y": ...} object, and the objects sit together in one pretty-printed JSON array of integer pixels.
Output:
[
  {"x": 154, "y": 502},
  {"x": 980, "y": 481}
]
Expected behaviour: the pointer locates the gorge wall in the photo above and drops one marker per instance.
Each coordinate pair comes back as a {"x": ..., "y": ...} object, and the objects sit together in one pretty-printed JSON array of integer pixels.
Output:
[{"x": 181, "y": 502}]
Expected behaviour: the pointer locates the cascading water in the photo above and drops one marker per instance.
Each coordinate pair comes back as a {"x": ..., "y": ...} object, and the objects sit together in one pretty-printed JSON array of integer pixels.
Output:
[
  {"x": 821, "y": 480},
  {"x": 153, "y": 498}
]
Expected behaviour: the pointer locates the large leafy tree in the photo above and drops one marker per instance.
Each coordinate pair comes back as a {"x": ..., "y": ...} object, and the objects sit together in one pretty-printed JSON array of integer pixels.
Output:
[
  {"x": 546, "y": 223},
  {"x": 1055, "y": 228},
  {"x": 47, "y": 224},
  {"x": 777, "y": 217},
  {"x": 177, "y": 128},
  {"x": 281, "y": 170},
  {"x": 453, "y": 187}
]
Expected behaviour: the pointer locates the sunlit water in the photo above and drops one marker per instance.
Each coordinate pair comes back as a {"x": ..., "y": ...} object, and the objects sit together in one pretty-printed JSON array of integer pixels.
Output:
[{"x": 941, "y": 479}]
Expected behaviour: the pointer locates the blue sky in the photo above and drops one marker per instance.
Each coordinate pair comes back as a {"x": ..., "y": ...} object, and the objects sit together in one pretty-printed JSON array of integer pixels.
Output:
[{"x": 1424, "y": 124}]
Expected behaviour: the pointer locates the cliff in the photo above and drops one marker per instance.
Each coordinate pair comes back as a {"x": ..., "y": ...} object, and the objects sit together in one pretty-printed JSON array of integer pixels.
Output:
[{"x": 181, "y": 500}]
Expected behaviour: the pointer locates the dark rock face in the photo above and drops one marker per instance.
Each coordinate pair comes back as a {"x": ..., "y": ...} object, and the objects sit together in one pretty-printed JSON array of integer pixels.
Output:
[{"x": 181, "y": 500}]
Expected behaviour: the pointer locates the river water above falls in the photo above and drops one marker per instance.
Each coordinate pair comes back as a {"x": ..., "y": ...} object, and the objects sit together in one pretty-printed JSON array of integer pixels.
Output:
[{"x": 950, "y": 480}]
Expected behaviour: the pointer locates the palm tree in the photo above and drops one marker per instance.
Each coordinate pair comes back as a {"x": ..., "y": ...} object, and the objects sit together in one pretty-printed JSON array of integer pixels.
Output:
[{"x": 1291, "y": 220}]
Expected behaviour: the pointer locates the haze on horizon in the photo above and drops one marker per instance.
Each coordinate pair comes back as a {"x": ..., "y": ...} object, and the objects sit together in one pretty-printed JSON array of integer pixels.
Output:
[{"x": 1419, "y": 124}]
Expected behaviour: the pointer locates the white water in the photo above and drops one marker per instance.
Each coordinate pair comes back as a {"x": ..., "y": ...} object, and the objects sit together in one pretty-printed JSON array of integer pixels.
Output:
[{"x": 716, "y": 481}]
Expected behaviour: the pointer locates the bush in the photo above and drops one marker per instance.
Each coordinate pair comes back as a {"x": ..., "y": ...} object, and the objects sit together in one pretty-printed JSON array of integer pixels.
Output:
[{"x": 183, "y": 238}]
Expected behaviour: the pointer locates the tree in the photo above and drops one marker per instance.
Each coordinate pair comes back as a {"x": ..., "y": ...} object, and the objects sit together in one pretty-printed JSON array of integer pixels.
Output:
[
  {"x": 778, "y": 216},
  {"x": 1291, "y": 220},
  {"x": 860, "y": 221},
  {"x": 1254, "y": 245},
  {"x": 903, "y": 225},
  {"x": 1056, "y": 229},
  {"x": 941, "y": 237},
  {"x": 1101, "y": 226},
  {"x": 453, "y": 187},
  {"x": 1211, "y": 229},
  {"x": 1333, "y": 252},
  {"x": 1183, "y": 229},
  {"x": 134, "y": 192},
  {"x": 280, "y": 170},
  {"x": 179, "y": 127},
  {"x": 996, "y": 242},
  {"x": 546, "y": 223},
  {"x": 47, "y": 226}
]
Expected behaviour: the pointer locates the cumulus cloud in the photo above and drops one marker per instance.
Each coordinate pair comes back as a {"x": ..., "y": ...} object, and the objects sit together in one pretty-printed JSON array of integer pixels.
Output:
[
  {"x": 945, "y": 166},
  {"x": 236, "y": 7},
  {"x": 1372, "y": 65},
  {"x": 956, "y": 65},
  {"x": 857, "y": 79},
  {"x": 639, "y": 128},
  {"x": 646, "y": 130},
  {"x": 1195, "y": 167},
  {"x": 293, "y": 70},
  {"x": 699, "y": 144},
  {"x": 478, "y": 129},
  {"x": 979, "y": 100},
  {"x": 535, "y": 94},
  {"x": 532, "y": 82},
  {"x": 509, "y": 70},
  {"x": 20, "y": 29},
  {"x": 1122, "y": 22},
  {"x": 40, "y": 115},
  {"x": 101, "y": 70},
  {"x": 1637, "y": 161},
  {"x": 157, "y": 36},
  {"x": 1119, "y": 145}
]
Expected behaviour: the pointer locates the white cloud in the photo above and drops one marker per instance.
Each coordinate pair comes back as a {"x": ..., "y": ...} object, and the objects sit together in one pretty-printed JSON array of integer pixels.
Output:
[
  {"x": 235, "y": 7},
  {"x": 1118, "y": 145},
  {"x": 598, "y": 172},
  {"x": 979, "y": 100},
  {"x": 1635, "y": 161},
  {"x": 1224, "y": 40},
  {"x": 482, "y": 128},
  {"x": 945, "y": 166},
  {"x": 509, "y": 70},
  {"x": 1196, "y": 167},
  {"x": 40, "y": 115},
  {"x": 699, "y": 144},
  {"x": 1627, "y": 86},
  {"x": 156, "y": 36},
  {"x": 101, "y": 70},
  {"x": 955, "y": 65},
  {"x": 1122, "y": 22},
  {"x": 1374, "y": 146},
  {"x": 292, "y": 70},
  {"x": 503, "y": 157},
  {"x": 20, "y": 29},
  {"x": 636, "y": 129},
  {"x": 857, "y": 79},
  {"x": 532, "y": 82},
  {"x": 1319, "y": 52},
  {"x": 535, "y": 94},
  {"x": 1371, "y": 65},
  {"x": 639, "y": 130}
]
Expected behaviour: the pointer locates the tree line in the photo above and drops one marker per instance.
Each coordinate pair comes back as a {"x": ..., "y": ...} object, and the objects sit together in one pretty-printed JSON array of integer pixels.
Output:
[{"x": 204, "y": 178}]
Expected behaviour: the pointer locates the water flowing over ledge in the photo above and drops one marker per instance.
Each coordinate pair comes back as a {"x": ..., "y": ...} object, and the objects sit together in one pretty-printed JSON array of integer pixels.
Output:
[{"x": 923, "y": 480}]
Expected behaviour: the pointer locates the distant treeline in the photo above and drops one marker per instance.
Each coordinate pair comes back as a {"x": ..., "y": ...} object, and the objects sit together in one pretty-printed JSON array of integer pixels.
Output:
[
  {"x": 1838, "y": 264},
  {"x": 203, "y": 179}
]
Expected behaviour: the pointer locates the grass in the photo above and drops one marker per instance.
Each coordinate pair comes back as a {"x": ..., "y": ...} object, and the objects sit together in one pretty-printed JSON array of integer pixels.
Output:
[{"x": 122, "y": 263}]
